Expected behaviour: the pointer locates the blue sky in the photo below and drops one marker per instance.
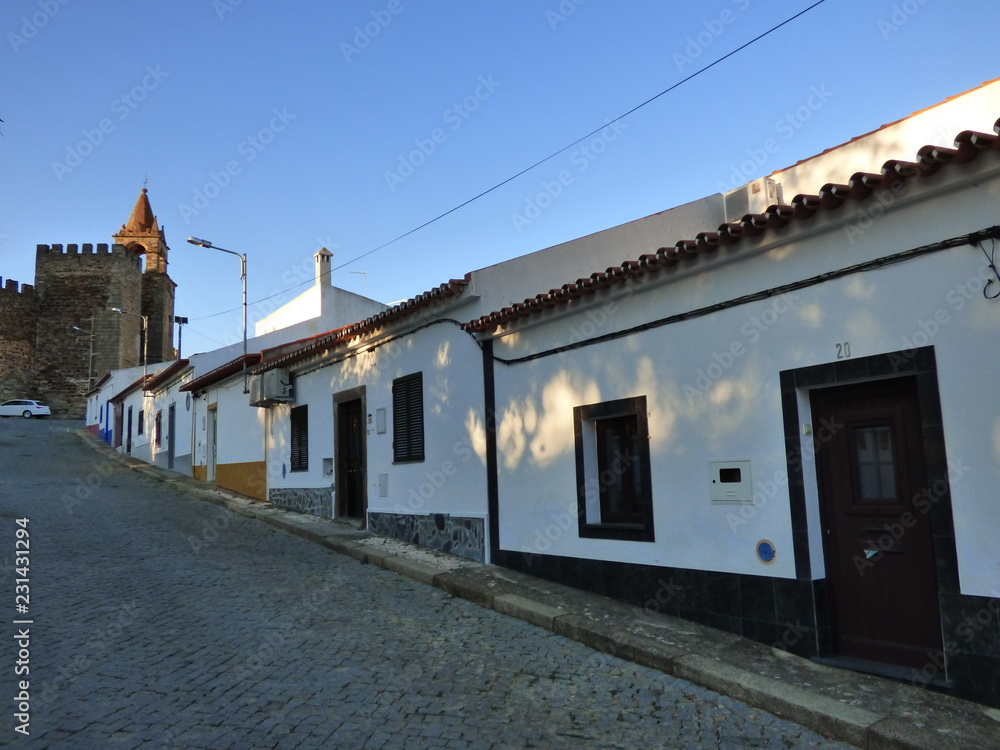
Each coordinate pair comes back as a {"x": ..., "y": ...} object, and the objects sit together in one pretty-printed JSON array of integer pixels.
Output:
[{"x": 274, "y": 129}]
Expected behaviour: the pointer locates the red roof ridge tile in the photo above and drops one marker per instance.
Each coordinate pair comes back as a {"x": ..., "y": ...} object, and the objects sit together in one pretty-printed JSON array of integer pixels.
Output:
[
  {"x": 322, "y": 341},
  {"x": 880, "y": 128},
  {"x": 223, "y": 371},
  {"x": 969, "y": 145}
]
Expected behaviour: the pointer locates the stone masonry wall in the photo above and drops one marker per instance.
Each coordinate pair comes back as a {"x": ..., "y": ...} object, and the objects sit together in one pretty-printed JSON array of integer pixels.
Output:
[
  {"x": 18, "y": 311},
  {"x": 158, "y": 306},
  {"x": 76, "y": 287},
  {"x": 465, "y": 537}
]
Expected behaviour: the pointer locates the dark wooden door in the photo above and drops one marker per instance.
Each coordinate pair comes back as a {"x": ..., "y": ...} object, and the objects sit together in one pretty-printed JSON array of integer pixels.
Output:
[
  {"x": 351, "y": 459},
  {"x": 171, "y": 445},
  {"x": 119, "y": 426},
  {"x": 878, "y": 541},
  {"x": 128, "y": 433}
]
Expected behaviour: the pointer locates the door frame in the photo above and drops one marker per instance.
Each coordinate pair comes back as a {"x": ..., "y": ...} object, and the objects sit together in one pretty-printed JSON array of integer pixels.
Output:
[
  {"x": 803, "y": 488},
  {"x": 339, "y": 399},
  {"x": 128, "y": 433},
  {"x": 118, "y": 438},
  {"x": 211, "y": 440},
  {"x": 171, "y": 444}
]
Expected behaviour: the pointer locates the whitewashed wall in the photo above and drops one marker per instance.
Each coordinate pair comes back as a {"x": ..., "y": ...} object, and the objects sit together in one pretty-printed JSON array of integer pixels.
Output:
[
  {"x": 937, "y": 125},
  {"x": 712, "y": 383},
  {"x": 451, "y": 479},
  {"x": 240, "y": 426},
  {"x": 183, "y": 403}
]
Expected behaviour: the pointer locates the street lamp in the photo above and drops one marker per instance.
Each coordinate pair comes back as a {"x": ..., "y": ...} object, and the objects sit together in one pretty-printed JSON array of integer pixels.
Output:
[
  {"x": 145, "y": 338},
  {"x": 243, "y": 276}
]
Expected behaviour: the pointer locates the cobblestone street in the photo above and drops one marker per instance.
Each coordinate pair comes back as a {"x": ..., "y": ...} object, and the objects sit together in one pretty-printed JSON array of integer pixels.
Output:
[{"x": 158, "y": 620}]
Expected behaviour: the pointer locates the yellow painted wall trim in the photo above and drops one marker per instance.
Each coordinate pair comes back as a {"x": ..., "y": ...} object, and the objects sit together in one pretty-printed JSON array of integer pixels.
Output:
[{"x": 249, "y": 478}]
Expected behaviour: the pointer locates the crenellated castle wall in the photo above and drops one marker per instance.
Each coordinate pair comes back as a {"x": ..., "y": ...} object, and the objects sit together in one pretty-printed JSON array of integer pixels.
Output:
[
  {"x": 18, "y": 314},
  {"x": 60, "y": 334},
  {"x": 76, "y": 287}
]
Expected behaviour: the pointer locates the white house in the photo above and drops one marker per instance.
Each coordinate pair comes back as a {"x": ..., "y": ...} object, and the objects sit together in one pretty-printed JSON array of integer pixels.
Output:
[
  {"x": 227, "y": 436},
  {"x": 781, "y": 426},
  {"x": 171, "y": 415},
  {"x": 384, "y": 420},
  {"x": 123, "y": 409}
]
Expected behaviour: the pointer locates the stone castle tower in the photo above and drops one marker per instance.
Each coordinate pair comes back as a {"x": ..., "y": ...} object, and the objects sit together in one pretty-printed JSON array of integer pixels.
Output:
[{"x": 59, "y": 335}]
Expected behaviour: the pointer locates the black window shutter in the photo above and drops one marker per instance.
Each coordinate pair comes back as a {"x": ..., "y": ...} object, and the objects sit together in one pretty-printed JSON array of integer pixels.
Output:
[
  {"x": 300, "y": 438},
  {"x": 408, "y": 418}
]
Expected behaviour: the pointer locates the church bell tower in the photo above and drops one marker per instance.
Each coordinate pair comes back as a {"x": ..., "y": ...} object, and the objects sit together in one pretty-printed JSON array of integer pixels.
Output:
[{"x": 143, "y": 237}]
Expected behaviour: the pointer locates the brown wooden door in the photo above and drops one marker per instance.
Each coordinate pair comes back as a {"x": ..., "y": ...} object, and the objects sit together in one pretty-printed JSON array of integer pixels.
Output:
[
  {"x": 878, "y": 542},
  {"x": 351, "y": 458}
]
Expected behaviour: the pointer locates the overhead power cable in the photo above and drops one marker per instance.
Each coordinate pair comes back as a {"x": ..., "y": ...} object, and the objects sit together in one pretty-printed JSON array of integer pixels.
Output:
[{"x": 541, "y": 161}]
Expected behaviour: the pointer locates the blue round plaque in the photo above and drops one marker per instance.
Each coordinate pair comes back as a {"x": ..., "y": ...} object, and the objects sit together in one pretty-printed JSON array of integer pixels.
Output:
[{"x": 766, "y": 551}]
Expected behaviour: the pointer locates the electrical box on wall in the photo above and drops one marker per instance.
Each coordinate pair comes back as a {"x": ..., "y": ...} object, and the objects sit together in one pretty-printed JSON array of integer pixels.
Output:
[{"x": 729, "y": 482}]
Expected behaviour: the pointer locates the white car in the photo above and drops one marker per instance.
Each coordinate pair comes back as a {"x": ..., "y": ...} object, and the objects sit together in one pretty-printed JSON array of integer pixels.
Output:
[{"x": 22, "y": 407}]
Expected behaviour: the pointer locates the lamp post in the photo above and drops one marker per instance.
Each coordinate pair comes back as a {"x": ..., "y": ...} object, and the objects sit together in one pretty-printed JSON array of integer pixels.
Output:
[
  {"x": 243, "y": 276},
  {"x": 145, "y": 338},
  {"x": 181, "y": 322}
]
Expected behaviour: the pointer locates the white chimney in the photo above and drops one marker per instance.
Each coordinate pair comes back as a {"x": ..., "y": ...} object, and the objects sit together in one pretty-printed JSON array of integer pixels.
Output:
[{"x": 323, "y": 258}]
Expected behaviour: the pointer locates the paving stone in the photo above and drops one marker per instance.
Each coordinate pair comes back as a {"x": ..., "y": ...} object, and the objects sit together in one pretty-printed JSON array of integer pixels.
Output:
[{"x": 166, "y": 621}]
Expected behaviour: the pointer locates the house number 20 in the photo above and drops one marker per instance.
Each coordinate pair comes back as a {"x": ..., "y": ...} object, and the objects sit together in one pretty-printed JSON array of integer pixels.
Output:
[{"x": 844, "y": 350}]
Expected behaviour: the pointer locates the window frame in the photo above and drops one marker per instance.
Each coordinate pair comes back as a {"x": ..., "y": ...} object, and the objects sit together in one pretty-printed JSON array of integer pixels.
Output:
[
  {"x": 141, "y": 426},
  {"x": 298, "y": 441},
  {"x": 408, "y": 419},
  {"x": 591, "y": 463}
]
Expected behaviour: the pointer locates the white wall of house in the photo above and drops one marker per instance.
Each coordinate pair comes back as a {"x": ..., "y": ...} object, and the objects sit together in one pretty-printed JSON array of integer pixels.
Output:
[
  {"x": 712, "y": 382},
  {"x": 182, "y": 403},
  {"x": 320, "y": 308},
  {"x": 451, "y": 478},
  {"x": 240, "y": 426},
  {"x": 141, "y": 404},
  {"x": 937, "y": 125},
  {"x": 100, "y": 411},
  {"x": 499, "y": 285}
]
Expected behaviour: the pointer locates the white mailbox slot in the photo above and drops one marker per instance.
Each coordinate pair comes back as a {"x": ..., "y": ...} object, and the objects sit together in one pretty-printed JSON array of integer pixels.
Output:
[{"x": 730, "y": 482}]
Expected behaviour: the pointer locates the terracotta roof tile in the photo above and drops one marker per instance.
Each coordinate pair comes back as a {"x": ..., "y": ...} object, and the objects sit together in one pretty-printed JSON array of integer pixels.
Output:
[
  {"x": 930, "y": 159},
  {"x": 285, "y": 355},
  {"x": 165, "y": 375},
  {"x": 130, "y": 388},
  {"x": 887, "y": 125},
  {"x": 220, "y": 373}
]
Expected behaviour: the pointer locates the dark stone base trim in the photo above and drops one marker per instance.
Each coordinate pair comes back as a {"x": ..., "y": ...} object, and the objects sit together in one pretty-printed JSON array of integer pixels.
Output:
[
  {"x": 464, "y": 537},
  {"x": 313, "y": 500},
  {"x": 792, "y": 615}
]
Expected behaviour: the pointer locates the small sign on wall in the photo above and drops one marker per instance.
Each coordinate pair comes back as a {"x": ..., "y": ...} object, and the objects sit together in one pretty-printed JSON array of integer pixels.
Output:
[{"x": 729, "y": 482}]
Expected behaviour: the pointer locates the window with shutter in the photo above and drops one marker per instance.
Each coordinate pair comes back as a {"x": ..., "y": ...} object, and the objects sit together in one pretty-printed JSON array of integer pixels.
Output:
[
  {"x": 408, "y": 418},
  {"x": 300, "y": 438}
]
